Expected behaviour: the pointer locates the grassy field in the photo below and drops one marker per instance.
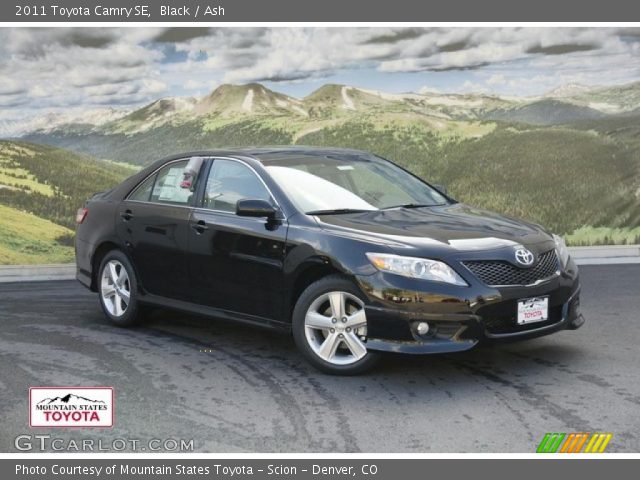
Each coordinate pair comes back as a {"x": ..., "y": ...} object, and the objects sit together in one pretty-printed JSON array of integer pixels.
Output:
[
  {"x": 559, "y": 177},
  {"x": 41, "y": 188},
  {"x": 27, "y": 239},
  {"x": 585, "y": 236},
  {"x": 581, "y": 180},
  {"x": 52, "y": 183}
]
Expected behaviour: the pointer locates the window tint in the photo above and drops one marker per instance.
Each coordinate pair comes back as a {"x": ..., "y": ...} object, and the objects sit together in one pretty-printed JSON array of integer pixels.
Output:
[
  {"x": 230, "y": 181},
  {"x": 143, "y": 192},
  {"x": 167, "y": 186}
]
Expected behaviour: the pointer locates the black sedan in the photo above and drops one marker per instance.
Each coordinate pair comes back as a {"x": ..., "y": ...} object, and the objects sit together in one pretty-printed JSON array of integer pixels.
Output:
[{"x": 347, "y": 251}]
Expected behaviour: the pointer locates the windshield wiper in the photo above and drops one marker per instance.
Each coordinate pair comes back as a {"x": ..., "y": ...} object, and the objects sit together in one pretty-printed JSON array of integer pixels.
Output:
[
  {"x": 412, "y": 205},
  {"x": 338, "y": 211}
]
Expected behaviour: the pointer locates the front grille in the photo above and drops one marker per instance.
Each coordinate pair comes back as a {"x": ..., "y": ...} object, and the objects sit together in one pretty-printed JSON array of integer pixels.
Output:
[{"x": 498, "y": 272}]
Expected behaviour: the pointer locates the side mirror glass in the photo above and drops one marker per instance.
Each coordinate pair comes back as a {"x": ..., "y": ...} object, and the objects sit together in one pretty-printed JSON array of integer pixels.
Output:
[{"x": 255, "y": 208}]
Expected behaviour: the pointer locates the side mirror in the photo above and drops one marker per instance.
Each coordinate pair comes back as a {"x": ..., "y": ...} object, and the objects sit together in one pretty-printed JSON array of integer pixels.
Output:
[
  {"x": 255, "y": 208},
  {"x": 442, "y": 189}
]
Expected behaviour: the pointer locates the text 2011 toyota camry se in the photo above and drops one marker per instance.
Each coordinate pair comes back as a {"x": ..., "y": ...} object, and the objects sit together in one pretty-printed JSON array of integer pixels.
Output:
[{"x": 349, "y": 252}]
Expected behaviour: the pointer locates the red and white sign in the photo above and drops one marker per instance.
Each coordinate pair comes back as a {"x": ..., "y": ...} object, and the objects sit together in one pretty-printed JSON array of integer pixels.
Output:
[{"x": 71, "y": 407}]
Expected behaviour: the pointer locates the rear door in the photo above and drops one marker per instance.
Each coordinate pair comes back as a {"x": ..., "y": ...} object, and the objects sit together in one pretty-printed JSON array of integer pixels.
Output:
[
  {"x": 153, "y": 222},
  {"x": 236, "y": 263}
]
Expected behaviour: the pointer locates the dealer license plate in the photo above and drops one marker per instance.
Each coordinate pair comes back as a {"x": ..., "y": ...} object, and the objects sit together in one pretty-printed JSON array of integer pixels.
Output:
[{"x": 533, "y": 310}]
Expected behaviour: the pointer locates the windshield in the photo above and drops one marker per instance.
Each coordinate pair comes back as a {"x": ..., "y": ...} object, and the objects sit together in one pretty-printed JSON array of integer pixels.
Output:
[{"x": 345, "y": 183}]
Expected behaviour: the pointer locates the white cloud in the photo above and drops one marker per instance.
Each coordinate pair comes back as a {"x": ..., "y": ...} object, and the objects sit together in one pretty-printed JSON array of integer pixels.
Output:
[
  {"x": 425, "y": 90},
  {"x": 472, "y": 87},
  {"x": 200, "y": 85},
  {"x": 49, "y": 68},
  {"x": 496, "y": 79},
  {"x": 9, "y": 86}
]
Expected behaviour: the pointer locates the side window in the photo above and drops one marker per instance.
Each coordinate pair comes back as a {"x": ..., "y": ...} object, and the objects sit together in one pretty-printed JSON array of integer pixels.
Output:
[
  {"x": 167, "y": 185},
  {"x": 230, "y": 181},
  {"x": 143, "y": 192}
]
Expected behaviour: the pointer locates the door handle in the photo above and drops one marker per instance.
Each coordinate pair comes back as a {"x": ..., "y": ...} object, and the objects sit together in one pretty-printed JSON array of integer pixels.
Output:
[
  {"x": 127, "y": 215},
  {"x": 200, "y": 227}
]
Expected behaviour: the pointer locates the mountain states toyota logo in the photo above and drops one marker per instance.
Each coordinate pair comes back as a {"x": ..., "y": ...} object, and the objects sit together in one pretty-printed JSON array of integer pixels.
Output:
[{"x": 71, "y": 407}]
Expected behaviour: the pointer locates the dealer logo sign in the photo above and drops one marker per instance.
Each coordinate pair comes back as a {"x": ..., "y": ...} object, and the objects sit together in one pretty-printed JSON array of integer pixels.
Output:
[{"x": 71, "y": 407}]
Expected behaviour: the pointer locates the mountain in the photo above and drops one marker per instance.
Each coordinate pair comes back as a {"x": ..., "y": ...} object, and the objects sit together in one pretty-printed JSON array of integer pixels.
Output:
[
  {"x": 250, "y": 99},
  {"x": 152, "y": 115},
  {"x": 73, "y": 120},
  {"x": 481, "y": 146},
  {"x": 611, "y": 99},
  {"x": 470, "y": 106},
  {"x": 569, "y": 90},
  {"x": 335, "y": 100},
  {"x": 331, "y": 100},
  {"x": 545, "y": 112},
  {"x": 68, "y": 399}
]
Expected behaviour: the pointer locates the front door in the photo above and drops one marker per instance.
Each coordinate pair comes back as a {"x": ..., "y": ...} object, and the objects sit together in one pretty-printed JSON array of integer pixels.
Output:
[{"x": 236, "y": 262}]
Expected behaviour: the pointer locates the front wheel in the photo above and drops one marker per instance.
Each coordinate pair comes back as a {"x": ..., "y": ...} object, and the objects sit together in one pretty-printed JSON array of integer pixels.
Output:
[
  {"x": 330, "y": 327},
  {"x": 118, "y": 289}
]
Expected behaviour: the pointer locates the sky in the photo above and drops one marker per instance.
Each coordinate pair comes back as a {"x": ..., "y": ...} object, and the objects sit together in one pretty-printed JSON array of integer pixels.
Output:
[{"x": 52, "y": 70}]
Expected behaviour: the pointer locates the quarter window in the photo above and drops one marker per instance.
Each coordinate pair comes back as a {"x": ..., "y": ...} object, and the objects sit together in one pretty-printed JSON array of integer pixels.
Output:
[
  {"x": 230, "y": 181},
  {"x": 143, "y": 192}
]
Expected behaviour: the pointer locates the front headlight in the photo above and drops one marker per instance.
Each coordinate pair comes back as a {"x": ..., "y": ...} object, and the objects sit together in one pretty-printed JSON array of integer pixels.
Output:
[
  {"x": 563, "y": 251},
  {"x": 422, "y": 268}
]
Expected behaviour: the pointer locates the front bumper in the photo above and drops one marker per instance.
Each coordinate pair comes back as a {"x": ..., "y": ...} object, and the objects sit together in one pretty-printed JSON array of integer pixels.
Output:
[{"x": 461, "y": 317}]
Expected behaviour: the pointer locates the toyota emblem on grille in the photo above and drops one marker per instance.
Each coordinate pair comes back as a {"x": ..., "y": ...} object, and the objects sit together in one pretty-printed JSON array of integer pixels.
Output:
[{"x": 524, "y": 257}]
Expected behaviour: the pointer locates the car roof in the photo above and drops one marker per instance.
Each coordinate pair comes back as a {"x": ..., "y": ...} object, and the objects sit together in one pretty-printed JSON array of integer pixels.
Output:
[
  {"x": 270, "y": 154},
  {"x": 276, "y": 154}
]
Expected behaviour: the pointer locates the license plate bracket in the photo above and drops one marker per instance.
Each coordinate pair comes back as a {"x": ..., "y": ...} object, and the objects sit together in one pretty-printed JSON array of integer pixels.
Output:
[{"x": 533, "y": 310}]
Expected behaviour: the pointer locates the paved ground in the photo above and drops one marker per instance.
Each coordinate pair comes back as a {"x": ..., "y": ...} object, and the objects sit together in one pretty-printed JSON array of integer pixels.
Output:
[{"x": 233, "y": 388}]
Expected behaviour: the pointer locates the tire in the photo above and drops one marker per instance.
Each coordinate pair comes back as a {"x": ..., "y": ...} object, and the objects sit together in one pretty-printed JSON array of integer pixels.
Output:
[
  {"x": 330, "y": 344},
  {"x": 117, "y": 308}
]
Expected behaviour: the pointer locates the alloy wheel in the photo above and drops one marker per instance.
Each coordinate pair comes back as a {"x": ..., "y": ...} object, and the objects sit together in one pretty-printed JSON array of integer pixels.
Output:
[
  {"x": 336, "y": 328},
  {"x": 115, "y": 288}
]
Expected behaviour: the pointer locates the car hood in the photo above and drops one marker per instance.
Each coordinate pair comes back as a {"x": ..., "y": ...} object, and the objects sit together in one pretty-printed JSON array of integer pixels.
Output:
[{"x": 455, "y": 227}]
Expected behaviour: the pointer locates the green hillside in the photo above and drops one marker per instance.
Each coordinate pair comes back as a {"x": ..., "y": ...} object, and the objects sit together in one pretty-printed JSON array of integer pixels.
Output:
[
  {"x": 562, "y": 177},
  {"x": 558, "y": 161},
  {"x": 545, "y": 112},
  {"x": 41, "y": 188},
  {"x": 27, "y": 239},
  {"x": 559, "y": 177},
  {"x": 52, "y": 183}
]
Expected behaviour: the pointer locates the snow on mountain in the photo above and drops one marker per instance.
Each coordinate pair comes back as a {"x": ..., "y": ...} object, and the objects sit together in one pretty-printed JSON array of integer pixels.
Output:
[
  {"x": 328, "y": 101},
  {"x": 49, "y": 121},
  {"x": 569, "y": 90}
]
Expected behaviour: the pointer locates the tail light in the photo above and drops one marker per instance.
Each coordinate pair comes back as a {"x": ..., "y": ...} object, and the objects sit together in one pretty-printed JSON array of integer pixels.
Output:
[{"x": 81, "y": 215}]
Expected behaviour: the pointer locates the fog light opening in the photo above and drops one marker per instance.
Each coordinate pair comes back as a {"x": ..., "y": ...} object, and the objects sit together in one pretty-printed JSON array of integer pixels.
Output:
[{"x": 422, "y": 328}]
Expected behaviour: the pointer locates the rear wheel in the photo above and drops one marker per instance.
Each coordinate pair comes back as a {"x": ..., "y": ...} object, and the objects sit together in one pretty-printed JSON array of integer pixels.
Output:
[
  {"x": 118, "y": 289},
  {"x": 330, "y": 327}
]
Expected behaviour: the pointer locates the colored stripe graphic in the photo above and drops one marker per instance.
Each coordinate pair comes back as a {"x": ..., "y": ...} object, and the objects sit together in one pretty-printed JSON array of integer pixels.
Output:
[
  {"x": 550, "y": 443},
  {"x": 570, "y": 443},
  {"x": 598, "y": 443},
  {"x": 580, "y": 443},
  {"x": 574, "y": 442}
]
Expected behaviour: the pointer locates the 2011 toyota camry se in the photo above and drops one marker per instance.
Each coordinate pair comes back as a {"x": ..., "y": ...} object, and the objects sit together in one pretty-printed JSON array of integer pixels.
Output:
[{"x": 347, "y": 251}]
